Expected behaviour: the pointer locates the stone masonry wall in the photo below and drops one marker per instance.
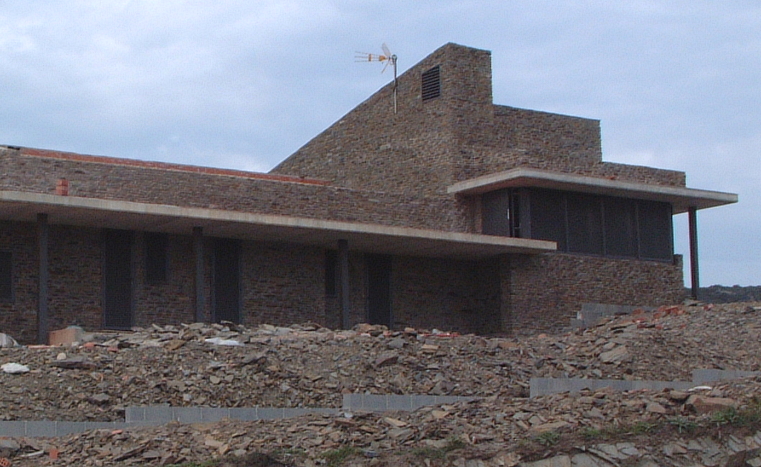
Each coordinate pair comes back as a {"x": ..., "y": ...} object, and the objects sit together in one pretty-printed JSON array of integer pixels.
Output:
[
  {"x": 542, "y": 140},
  {"x": 430, "y": 293},
  {"x": 427, "y": 146},
  {"x": 446, "y": 294},
  {"x": 376, "y": 149},
  {"x": 171, "y": 301},
  {"x": 75, "y": 293},
  {"x": 547, "y": 290},
  {"x": 107, "y": 180},
  {"x": 282, "y": 284}
]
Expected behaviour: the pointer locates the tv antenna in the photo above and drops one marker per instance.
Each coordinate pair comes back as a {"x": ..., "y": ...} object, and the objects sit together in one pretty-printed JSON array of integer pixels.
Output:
[{"x": 387, "y": 57}]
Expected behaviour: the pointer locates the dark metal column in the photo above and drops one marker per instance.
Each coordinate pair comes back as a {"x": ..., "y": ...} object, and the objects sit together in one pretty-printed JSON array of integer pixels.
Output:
[
  {"x": 343, "y": 268},
  {"x": 43, "y": 231},
  {"x": 694, "y": 274},
  {"x": 199, "y": 285}
]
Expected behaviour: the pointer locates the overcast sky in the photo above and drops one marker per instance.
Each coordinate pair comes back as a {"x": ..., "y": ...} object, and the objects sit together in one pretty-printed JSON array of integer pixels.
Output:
[{"x": 243, "y": 84}]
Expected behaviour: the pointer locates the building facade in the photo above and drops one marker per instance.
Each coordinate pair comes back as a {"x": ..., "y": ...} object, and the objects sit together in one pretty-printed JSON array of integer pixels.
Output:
[{"x": 426, "y": 206}]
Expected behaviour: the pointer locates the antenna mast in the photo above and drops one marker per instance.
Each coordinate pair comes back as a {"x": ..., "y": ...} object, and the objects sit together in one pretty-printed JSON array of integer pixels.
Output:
[{"x": 387, "y": 57}]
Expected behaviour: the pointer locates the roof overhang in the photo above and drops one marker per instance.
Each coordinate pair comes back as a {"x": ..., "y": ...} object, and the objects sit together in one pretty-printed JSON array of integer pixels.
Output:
[
  {"x": 681, "y": 198},
  {"x": 371, "y": 238}
]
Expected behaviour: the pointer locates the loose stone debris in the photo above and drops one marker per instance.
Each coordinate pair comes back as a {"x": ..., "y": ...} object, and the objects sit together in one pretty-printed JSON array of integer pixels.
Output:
[{"x": 310, "y": 366}]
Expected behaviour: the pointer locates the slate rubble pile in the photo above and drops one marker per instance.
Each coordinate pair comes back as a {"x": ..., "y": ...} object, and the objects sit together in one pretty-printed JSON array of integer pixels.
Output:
[
  {"x": 309, "y": 366},
  {"x": 487, "y": 432}
]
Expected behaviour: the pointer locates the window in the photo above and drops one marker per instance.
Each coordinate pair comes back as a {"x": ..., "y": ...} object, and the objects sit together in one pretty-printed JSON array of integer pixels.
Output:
[
  {"x": 331, "y": 276},
  {"x": 582, "y": 223},
  {"x": 655, "y": 230},
  {"x": 501, "y": 213},
  {"x": 620, "y": 227},
  {"x": 431, "y": 84},
  {"x": 496, "y": 213},
  {"x": 6, "y": 275},
  {"x": 156, "y": 258},
  {"x": 548, "y": 217}
]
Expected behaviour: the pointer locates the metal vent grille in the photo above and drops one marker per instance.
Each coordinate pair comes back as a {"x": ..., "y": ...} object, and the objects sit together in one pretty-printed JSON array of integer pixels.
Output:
[{"x": 431, "y": 84}]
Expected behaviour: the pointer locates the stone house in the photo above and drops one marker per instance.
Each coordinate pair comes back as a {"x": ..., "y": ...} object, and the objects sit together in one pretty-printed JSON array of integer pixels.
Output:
[{"x": 426, "y": 206}]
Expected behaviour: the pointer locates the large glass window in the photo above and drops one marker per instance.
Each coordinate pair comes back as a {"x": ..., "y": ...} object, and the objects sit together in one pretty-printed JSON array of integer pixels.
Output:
[
  {"x": 502, "y": 213},
  {"x": 496, "y": 213},
  {"x": 620, "y": 227},
  {"x": 548, "y": 217},
  {"x": 582, "y": 223},
  {"x": 655, "y": 226}
]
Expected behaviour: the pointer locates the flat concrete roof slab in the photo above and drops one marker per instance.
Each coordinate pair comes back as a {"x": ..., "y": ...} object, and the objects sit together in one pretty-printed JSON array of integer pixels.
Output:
[
  {"x": 371, "y": 238},
  {"x": 681, "y": 198}
]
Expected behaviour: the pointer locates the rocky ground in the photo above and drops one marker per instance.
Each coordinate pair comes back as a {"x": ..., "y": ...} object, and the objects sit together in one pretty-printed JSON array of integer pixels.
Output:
[{"x": 309, "y": 366}]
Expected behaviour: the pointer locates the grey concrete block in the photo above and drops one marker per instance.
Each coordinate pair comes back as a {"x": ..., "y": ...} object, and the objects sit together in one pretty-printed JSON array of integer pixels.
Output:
[
  {"x": 421, "y": 401},
  {"x": 351, "y": 402},
  {"x": 326, "y": 410},
  {"x": 38, "y": 429},
  {"x": 214, "y": 414},
  {"x": 244, "y": 413},
  {"x": 396, "y": 402},
  {"x": 145, "y": 423},
  {"x": 591, "y": 313},
  {"x": 134, "y": 414},
  {"x": 186, "y": 414},
  {"x": 104, "y": 425},
  {"x": 547, "y": 386},
  {"x": 291, "y": 412},
  {"x": 709, "y": 375},
  {"x": 13, "y": 428},
  {"x": 374, "y": 403},
  {"x": 269, "y": 413},
  {"x": 161, "y": 413},
  {"x": 68, "y": 428}
]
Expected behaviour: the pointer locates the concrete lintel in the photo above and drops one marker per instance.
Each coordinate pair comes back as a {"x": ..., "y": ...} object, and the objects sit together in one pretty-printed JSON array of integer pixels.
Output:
[{"x": 680, "y": 197}]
